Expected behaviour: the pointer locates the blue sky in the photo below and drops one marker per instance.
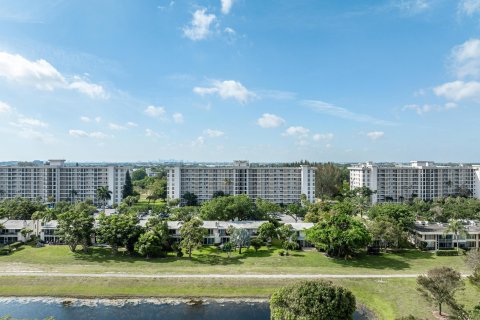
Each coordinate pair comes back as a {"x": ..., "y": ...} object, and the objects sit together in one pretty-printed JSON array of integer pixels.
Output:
[{"x": 240, "y": 79}]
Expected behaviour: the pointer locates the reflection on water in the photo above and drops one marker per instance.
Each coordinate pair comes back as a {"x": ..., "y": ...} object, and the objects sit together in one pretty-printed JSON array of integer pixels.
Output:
[{"x": 63, "y": 309}]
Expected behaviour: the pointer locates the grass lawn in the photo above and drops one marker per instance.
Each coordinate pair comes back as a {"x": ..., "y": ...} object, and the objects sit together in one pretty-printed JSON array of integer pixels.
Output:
[
  {"x": 387, "y": 298},
  {"x": 209, "y": 260}
]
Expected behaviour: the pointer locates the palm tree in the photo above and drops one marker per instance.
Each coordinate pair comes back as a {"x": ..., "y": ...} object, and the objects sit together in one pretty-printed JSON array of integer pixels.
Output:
[
  {"x": 104, "y": 194},
  {"x": 456, "y": 227},
  {"x": 228, "y": 182},
  {"x": 72, "y": 194}
]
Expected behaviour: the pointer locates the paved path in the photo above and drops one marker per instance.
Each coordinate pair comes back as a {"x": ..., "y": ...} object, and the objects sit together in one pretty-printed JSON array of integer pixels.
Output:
[{"x": 208, "y": 276}]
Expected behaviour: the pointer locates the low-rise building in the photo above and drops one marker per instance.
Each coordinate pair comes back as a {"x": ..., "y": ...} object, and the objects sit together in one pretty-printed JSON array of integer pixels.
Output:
[
  {"x": 434, "y": 235},
  {"x": 11, "y": 230}
]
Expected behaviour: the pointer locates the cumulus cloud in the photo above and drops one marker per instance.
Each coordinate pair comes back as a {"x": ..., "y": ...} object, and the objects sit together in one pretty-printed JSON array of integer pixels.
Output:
[
  {"x": 177, "y": 117},
  {"x": 199, "y": 27},
  {"x": 226, "y": 6},
  {"x": 153, "y": 134},
  {"x": 469, "y": 7},
  {"x": 4, "y": 107},
  {"x": 85, "y": 119},
  {"x": 31, "y": 122},
  {"x": 200, "y": 141},
  {"x": 213, "y": 133},
  {"x": 466, "y": 59},
  {"x": 412, "y": 6},
  {"x": 114, "y": 126},
  {"x": 43, "y": 76},
  {"x": 268, "y": 120},
  {"x": 155, "y": 112},
  {"x": 459, "y": 90},
  {"x": 296, "y": 132},
  {"x": 84, "y": 134},
  {"x": 131, "y": 124},
  {"x": 375, "y": 135},
  {"x": 422, "y": 109},
  {"x": 323, "y": 136},
  {"x": 226, "y": 89}
]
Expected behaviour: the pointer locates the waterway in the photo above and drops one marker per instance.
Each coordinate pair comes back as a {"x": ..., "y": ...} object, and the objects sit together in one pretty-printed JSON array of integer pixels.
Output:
[{"x": 137, "y": 309}]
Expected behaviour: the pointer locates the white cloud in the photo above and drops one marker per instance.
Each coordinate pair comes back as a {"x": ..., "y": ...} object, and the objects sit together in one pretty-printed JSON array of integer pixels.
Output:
[
  {"x": 469, "y": 7},
  {"x": 459, "y": 90},
  {"x": 84, "y": 134},
  {"x": 213, "y": 133},
  {"x": 229, "y": 30},
  {"x": 412, "y": 6},
  {"x": 199, "y": 27},
  {"x": 31, "y": 122},
  {"x": 466, "y": 59},
  {"x": 296, "y": 132},
  {"x": 226, "y": 89},
  {"x": 339, "y": 112},
  {"x": 98, "y": 119},
  {"x": 226, "y": 6},
  {"x": 153, "y": 134},
  {"x": 33, "y": 134},
  {"x": 43, "y": 76},
  {"x": 375, "y": 135},
  {"x": 114, "y": 126},
  {"x": 155, "y": 112},
  {"x": 268, "y": 120},
  {"x": 5, "y": 108},
  {"x": 200, "y": 141},
  {"x": 131, "y": 124},
  {"x": 85, "y": 119},
  {"x": 323, "y": 136},
  {"x": 422, "y": 109},
  {"x": 177, "y": 117}
]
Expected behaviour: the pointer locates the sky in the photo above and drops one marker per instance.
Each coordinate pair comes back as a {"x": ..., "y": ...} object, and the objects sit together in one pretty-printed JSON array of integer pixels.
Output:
[{"x": 219, "y": 80}]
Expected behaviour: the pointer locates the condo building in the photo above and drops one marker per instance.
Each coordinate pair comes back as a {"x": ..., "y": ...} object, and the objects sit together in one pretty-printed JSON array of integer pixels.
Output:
[
  {"x": 60, "y": 181},
  {"x": 276, "y": 184},
  {"x": 421, "y": 179}
]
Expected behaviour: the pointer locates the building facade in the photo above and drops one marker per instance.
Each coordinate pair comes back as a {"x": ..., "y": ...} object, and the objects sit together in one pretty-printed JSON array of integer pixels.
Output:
[
  {"x": 60, "y": 181},
  {"x": 276, "y": 184},
  {"x": 434, "y": 237},
  {"x": 421, "y": 179}
]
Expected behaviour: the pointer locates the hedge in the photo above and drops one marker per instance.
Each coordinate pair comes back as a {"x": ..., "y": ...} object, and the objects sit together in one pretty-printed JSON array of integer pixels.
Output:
[{"x": 447, "y": 253}]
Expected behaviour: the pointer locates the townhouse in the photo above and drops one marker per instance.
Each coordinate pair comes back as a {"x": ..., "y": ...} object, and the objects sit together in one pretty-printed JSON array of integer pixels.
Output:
[{"x": 434, "y": 235}]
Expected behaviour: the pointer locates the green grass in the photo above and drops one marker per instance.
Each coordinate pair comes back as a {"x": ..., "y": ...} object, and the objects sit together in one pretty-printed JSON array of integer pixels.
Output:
[
  {"x": 210, "y": 260},
  {"x": 387, "y": 298}
]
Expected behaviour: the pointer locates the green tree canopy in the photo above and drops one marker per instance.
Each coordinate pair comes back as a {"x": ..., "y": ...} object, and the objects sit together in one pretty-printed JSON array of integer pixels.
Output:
[
  {"x": 75, "y": 226},
  {"x": 191, "y": 199},
  {"x": 139, "y": 174},
  {"x": 312, "y": 300},
  {"x": 226, "y": 208},
  {"x": 339, "y": 235},
  {"x": 127, "y": 189},
  {"x": 192, "y": 234},
  {"x": 240, "y": 238},
  {"x": 20, "y": 208},
  {"x": 116, "y": 230},
  {"x": 400, "y": 213}
]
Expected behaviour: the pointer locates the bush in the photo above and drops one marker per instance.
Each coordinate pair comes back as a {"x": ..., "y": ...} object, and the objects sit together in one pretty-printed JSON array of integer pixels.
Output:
[
  {"x": 447, "y": 253},
  {"x": 16, "y": 245},
  {"x": 312, "y": 300},
  {"x": 281, "y": 253},
  {"x": 5, "y": 251}
]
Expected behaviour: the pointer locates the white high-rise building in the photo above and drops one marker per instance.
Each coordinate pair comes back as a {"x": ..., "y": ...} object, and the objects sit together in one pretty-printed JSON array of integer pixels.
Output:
[
  {"x": 275, "y": 184},
  {"x": 422, "y": 179},
  {"x": 57, "y": 180}
]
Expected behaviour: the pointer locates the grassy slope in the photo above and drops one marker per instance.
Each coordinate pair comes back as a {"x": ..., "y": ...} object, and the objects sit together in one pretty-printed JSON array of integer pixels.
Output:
[
  {"x": 389, "y": 298},
  {"x": 208, "y": 260}
]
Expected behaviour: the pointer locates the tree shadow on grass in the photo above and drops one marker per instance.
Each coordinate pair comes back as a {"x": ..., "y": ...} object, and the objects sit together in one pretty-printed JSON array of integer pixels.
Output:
[{"x": 382, "y": 261}]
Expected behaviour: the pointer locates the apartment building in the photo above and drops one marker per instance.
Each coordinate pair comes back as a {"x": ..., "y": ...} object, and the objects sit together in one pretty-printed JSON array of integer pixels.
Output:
[
  {"x": 434, "y": 236},
  {"x": 60, "y": 181},
  {"x": 422, "y": 179},
  {"x": 10, "y": 231},
  {"x": 276, "y": 184}
]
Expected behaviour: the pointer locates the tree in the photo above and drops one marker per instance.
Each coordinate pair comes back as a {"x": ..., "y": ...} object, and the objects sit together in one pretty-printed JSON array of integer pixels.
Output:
[
  {"x": 192, "y": 234},
  {"x": 339, "y": 235},
  {"x": 26, "y": 232},
  {"x": 218, "y": 193},
  {"x": 131, "y": 200},
  {"x": 72, "y": 194},
  {"x": 104, "y": 195},
  {"x": 312, "y": 300},
  {"x": 267, "y": 231},
  {"x": 228, "y": 247},
  {"x": 154, "y": 242},
  {"x": 75, "y": 227},
  {"x": 400, "y": 213},
  {"x": 240, "y": 238},
  {"x": 19, "y": 208},
  {"x": 439, "y": 285},
  {"x": 387, "y": 232},
  {"x": 288, "y": 236},
  {"x": 190, "y": 199},
  {"x": 226, "y": 208},
  {"x": 328, "y": 180},
  {"x": 127, "y": 189},
  {"x": 296, "y": 211},
  {"x": 139, "y": 174},
  {"x": 457, "y": 228},
  {"x": 266, "y": 209},
  {"x": 115, "y": 230},
  {"x": 256, "y": 243}
]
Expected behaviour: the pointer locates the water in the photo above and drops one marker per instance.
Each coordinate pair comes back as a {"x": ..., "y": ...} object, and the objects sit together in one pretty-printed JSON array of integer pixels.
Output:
[{"x": 40, "y": 308}]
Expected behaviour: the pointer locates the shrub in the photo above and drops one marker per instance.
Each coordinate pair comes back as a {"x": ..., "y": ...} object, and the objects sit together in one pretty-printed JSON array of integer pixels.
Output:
[
  {"x": 312, "y": 300},
  {"x": 16, "y": 245},
  {"x": 281, "y": 253},
  {"x": 447, "y": 253},
  {"x": 5, "y": 251}
]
